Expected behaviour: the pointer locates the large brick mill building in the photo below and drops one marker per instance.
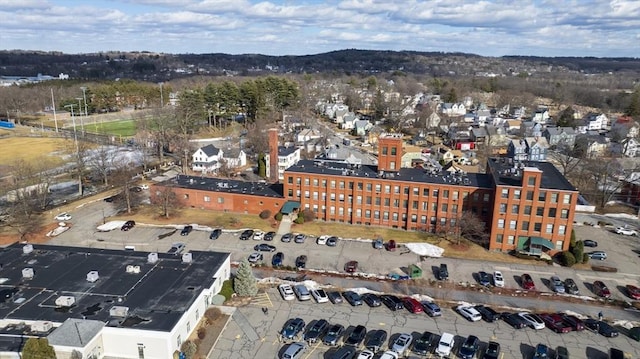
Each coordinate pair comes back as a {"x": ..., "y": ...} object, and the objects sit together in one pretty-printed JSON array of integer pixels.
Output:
[{"x": 524, "y": 204}]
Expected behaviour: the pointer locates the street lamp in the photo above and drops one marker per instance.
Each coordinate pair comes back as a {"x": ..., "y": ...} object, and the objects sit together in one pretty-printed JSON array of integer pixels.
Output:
[
  {"x": 75, "y": 139},
  {"x": 80, "y": 109},
  {"x": 161, "y": 95},
  {"x": 84, "y": 95}
]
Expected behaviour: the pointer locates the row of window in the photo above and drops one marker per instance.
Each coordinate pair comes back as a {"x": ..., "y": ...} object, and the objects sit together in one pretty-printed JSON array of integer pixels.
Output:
[
  {"x": 416, "y": 191},
  {"x": 385, "y": 214},
  {"x": 552, "y": 212},
  {"x": 542, "y": 195},
  {"x": 537, "y": 226},
  {"x": 511, "y": 240}
]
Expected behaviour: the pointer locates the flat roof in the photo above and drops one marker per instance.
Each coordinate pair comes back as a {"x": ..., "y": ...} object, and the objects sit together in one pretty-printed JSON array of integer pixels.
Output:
[
  {"x": 417, "y": 175},
  {"x": 226, "y": 186},
  {"x": 157, "y": 296},
  {"x": 506, "y": 172}
]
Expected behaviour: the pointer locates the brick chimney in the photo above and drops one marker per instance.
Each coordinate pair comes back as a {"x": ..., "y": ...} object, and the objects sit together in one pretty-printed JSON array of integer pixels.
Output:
[
  {"x": 273, "y": 154},
  {"x": 389, "y": 152}
]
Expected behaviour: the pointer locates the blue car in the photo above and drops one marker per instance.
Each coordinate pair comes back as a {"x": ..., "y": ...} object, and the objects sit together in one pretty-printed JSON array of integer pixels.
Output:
[
  {"x": 277, "y": 259},
  {"x": 292, "y": 328}
]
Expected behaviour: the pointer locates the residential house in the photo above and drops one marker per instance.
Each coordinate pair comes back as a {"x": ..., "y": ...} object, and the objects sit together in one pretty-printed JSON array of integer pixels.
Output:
[
  {"x": 207, "y": 159},
  {"x": 482, "y": 115},
  {"x": 444, "y": 154},
  {"x": 419, "y": 139},
  {"x": 531, "y": 129},
  {"x": 625, "y": 126},
  {"x": 628, "y": 147},
  {"x": 340, "y": 112},
  {"x": 361, "y": 127},
  {"x": 594, "y": 122},
  {"x": 411, "y": 159},
  {"x": 541, "y": 116},
  {"x": 537, "y": 148},
  {"x": 307, "y": 135},
  {"x": 560, "y": 136},
  {"x": 234, "y": 158},
  {"x": 349, "y": 121},
  {"x": 287, "y": 157},
  {"x": 497, "y": 140},
  {"x": 513, "y": 126},
  {"x": 433, "y": 121},
  {"x": 517, "y": 150},
  {"x": 631, "y": 188},
  {"x": 519, "y": 112},
  {"x": 479, "y": 134},
  {"x": 373, "y": 134},
  {"x": 594, "y": 145},
  {"x": 452, "y": 109}
]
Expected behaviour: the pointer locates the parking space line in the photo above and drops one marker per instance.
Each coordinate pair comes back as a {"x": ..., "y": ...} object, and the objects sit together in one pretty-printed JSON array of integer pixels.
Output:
[
  {"x": 262, "y": 300},
  {"x": 312, "y": 350}
]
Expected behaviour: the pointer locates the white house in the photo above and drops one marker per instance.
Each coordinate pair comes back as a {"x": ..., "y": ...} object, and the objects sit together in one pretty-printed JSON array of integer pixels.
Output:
[
  {"x": 541, "y": 116},
  {"x": 595, "y": 121},
  {"x": 628, "y": 146},
  {"x": 207, "y": 159},
  {"x": 625, "y": 126},
  {"x": 307, "y": 135},
  {"x": 235, "y": 158},
  {"x": 452, "y": 109},
  {"x": 349, "y": 121},
  {"x": 287, "y": 157}
]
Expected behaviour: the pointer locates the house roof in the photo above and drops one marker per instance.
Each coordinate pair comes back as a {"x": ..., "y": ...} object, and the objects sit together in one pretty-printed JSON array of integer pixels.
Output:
[
  {"x": 553, "y": 131},
  {"x": 75, "y": 332},
  {"x": 540, "y": 141},
  {"x": 226, "y": 186},
  {"x": 286, "y": 151},
  {"x": 210, "y": 150}
]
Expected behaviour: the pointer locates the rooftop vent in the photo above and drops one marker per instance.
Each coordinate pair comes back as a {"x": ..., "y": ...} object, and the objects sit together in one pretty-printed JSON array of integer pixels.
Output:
[
  {"x": 119, "y": 311},
  {"x": 133, "y": 269},
  {"x": 41, "y": 326},
  {"x": 27, "y": 248},
  {"x": 152, "y": 258},
  {"x": 92, "y": 276},
  {"x": 27, "y": 273},
  {"x": 187, "y": 258},
  {"x": 65, "y": 301}
]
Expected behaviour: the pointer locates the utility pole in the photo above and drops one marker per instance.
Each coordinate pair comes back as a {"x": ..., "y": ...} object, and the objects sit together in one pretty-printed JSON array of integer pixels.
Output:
[
  {"x": 161, "y": 95},
  {"x": 75, "y": 139},
  {"x": 84, "y": 95},
  {"x": 80, "y": 109},
  {"x": 53, "y": 105}
]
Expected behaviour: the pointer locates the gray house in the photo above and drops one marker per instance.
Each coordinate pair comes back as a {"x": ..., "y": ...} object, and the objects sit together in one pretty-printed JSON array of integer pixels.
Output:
[{"x": 555, "y": 136}]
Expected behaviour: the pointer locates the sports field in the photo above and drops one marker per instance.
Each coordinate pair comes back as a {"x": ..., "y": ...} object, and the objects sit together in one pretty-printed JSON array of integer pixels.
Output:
[
  {"x": 117, "y": 128},
  {"x": 32, "y": 149}
]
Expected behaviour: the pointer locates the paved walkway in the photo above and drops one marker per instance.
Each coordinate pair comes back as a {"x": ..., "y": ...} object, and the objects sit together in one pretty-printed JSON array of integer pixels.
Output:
[
  {"x": 246, "y": 327},
  {"x": 285, "y": 226}
]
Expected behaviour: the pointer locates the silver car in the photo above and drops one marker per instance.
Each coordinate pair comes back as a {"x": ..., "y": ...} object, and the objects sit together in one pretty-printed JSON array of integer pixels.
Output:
[
  {"x": 295, "y": 351},
  {"x": 557, "y": 285},
  {"x": 401, "y": 344}
]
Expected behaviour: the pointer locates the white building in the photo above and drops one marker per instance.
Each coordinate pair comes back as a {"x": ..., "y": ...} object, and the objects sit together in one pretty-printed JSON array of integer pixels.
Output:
[{"x": 207, "y": 159}]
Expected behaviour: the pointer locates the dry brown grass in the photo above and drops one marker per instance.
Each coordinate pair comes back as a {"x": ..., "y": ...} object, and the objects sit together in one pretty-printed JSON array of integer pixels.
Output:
[{"x": 31, "y": 149}]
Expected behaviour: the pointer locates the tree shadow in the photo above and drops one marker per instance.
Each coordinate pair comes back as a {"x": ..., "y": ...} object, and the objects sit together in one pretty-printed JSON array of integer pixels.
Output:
[{"x": 168, "y": 234}]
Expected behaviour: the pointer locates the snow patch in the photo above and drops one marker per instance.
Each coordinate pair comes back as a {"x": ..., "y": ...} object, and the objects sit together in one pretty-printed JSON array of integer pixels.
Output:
[
  {"x": 110, "y": 226},
  {"x": 422, "y": 298},
  {"x": 363, "y": 290},
  {"x": 577, "y": 315},
  {"x": 425, "y": 249},
  {"x": 627, "y": 324},
  {"x": 621, "y": 215}
]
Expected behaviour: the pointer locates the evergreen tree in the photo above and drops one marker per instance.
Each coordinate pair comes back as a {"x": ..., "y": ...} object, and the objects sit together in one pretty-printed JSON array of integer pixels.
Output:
[
  {"x": 38, "y": 348},
  {"x": 245, "y": 283},
  {"x": 262, "y": 165}
]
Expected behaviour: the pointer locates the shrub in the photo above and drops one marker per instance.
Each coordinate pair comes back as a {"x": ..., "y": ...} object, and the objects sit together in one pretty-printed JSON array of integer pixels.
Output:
[
  {"x": 308, "y": 215},
  {"x": 278, "y": 216},
  {"x": 265, "y": 214},
  {"x": 227, "y": 289},
  {"x": 585, "y": 258},
  {"x": 572, "y": 241},
  {"x": 202, "y": 333},
  {"x": 189, "y": 349},
  {"x": 299, "y": 220},
  {"x": 578, "y": 251},
  {"x": 213, "y": 313},
  {"x": 567, "y": 259}
]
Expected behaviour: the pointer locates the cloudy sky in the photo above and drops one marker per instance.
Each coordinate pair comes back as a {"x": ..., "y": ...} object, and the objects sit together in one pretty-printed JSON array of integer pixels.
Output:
[{"x": 301, "y": 27}]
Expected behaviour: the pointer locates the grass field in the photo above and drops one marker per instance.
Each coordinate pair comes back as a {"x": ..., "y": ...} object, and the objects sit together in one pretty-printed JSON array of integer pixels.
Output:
[
  {"x": 117, "y": 128},
  {"x": 31, "y": 149}
]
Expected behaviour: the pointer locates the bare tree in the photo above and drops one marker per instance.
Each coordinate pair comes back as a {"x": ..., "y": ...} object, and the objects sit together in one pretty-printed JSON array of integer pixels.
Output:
[
  {"x": 102, "y": 162},
  {"x": 123, "y": 177},
  {"x": 601, "y": 180},
  {"x": 166, "y": 200},
  {"x": 567, "y": 158}
]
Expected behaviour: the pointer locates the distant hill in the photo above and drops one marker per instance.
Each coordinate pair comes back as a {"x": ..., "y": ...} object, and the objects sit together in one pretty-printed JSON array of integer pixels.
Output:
[{"x": 162, "y": 67}]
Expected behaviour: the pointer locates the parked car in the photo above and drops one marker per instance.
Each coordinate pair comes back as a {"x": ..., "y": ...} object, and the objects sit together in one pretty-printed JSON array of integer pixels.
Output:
[
  {"x": 599, "y": 255},
  {"x": 356, "y": 337},
  {"x": 286, "y": 292},
  {"x": 468, "y": 312},
  {"x": 365, "y": 354},
  {"x": 302, "y": 292},
  {"x": 527, "y": 282},
  {"x": 412, "y": 305},
  {"x": 634, "y": 333},
  {"x": 431, "y": 308},
  {"x": 215, "y": 234},
  {"x": 352, "y": 297},
  {"x": 487, "y": 313},
  {"x": 286, "y": 237},
  {"x": 424, "y": 344},
  {"x": 322, "y": 240},
  {"x": 277, "y": 259},
  {"x": 344, "y": 352},
  {"x": 64, "y": 216},
  {"x": 498, "y": 279},
  {"x": 378, "y": 243},
  {"x": 301, "y": 262},
  {"x": 443, "y": 272},
  {"x": 372, "y": 300},
  {"x": 292, "y": 328},
  {"x": 295, "y": 351},
  {"x": 389, "y": 355},
  {"x": 542, "y": 351},
  {"x": 255, "y": 257},
  {"x": 351, "y": 266},
  {"x": 258, "y": 235},
  {"x": 263, "y": 247},
  {"x": 319, "y": 295},
  {"x": 483, "y": 278},
  {"x": 590, "y": 243},
  {"x": 376, "y": 340},
  {"x": 269, "y": 236},
  {"x": 492, "y": 351},
  {"x": 633, "y": 292},
  {"x": 574, "y": 322},
  {"x": 562, "y": 353},
  {"x": 128, "y": 225},
  {"x": 186, "y": 230},
  {"x": 445, "y": 344},
  {"x": 533, "y": 320},
  {"x": 571, "y": 287},
  {"x": 332, "y": 241},
  {"x": 556, "y": 284},
  {"x": 554, "y": 322},
  {"x": 626, "y": 231},
  {"x": 615, "y": 353},
  {"x": 514, "y": 320},
  {"x": 469, "y": 347},
  {"x": 176, "y": 248},
  {"x": 334, "y": 297},
  {"x": 392, "y": 302},
  {"x": 401, "y": 344},
  {"x": 601, "y": 327},
  {"x": 601, "y": 290},
  {"x": 334, "y": 334},
  {"x": 391, "y": 245},
  {"x": 316, "y": 331},
  {"x": 246, "y": 234},
  {"x": 299, "y": 238}
]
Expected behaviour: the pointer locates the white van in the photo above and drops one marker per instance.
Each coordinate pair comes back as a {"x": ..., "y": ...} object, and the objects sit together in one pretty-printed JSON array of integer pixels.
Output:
[{"x": 445, "y": 345}]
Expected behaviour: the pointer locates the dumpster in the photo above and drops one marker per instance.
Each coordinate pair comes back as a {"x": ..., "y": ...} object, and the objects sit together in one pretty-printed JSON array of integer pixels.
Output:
[{"x": 415, "y": 271}]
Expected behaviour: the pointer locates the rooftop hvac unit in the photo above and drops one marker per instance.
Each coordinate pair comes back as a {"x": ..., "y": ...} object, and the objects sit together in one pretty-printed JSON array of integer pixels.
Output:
[
  {"x": 65, "y": 301},
  {"x": 187, "y": 258},
  {"x": 27, "y": 248},
  {"x": 92, "y": 276},
  {"x": 27, "y": 273},
  {"x": 119, "y": 311},
  {"x": 41, "y": 326},
  {"x": 133, "y": 269},
  {"x": 152, "y": 258}
]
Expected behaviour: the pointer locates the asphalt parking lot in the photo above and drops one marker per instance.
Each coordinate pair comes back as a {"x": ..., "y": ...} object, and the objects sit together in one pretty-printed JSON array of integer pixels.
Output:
[{"x": 252, "y": 334}]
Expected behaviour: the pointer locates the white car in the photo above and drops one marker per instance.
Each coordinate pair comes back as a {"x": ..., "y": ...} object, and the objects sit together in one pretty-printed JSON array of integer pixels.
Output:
[
  {"x": 401, "y": 344},
  {"x": 366, "y": 354},
  {"x": 258, "y": 235},
  {"x": 286, "y": 292},
  {"x": 144, "y": 186},
  {"x": 533, "y": 320},
  {"x": 498, "y": 279},
  {"x": 255, "y": 257},
  {"x": 626, "y": 231},
  {"x": 389, "y": 355},
  {"x": 319, "y": 295},
  {"x": 322, "y": 239},
  {"x": 445, "y": 345},
  {"x": 469, "y": 312},
  {"x": 64, "y": 216}
]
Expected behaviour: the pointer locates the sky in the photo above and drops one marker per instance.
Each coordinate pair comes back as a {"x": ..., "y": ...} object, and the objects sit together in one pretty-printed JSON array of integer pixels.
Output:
[{"x": 485, "y": 27}]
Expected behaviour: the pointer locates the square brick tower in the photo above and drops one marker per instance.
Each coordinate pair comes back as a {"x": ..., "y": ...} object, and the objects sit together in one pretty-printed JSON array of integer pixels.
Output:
[
  {"x": 389, "y": 152},
  {"x": 273, "y": 154}
]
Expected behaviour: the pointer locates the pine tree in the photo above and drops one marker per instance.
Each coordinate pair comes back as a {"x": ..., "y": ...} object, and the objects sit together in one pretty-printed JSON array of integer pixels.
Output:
[
  {"x": 245, "y": 283},
  {"x": 37, "y": 348}
]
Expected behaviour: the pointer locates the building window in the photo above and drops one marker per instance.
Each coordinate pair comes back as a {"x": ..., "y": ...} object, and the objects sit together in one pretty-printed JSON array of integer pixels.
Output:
[
  {"x": 406, "y": 190},
  {"x": 454, "y": 208},
  {"x": 499, "y": 238},
  {"x": 549, "y": 228},
  {"x": 513, "y": 224},
  {"x": 221, "y": 200},
  {"x": 425, "y": 205},
  {"x": 476, "y": 196},
  {"x": 414, "y": 218},
  {"x": 542, "y": 196},
  {"x": 298, "y": 180},
  {"x": 332, "y": 196},
  {"x": 396, "y": 189},
  {"x": 445, "y": 207},
  {"x": 306, "y": 194},
  {"x": 435, "y": 193},
  {"x": 562, "y": 229},
  {"x": 529, "y": 195},
  {"x": 341, "y": 184},
  {"x": 290, "y": 179},
  {"x": 564, "y": 213},
  {"x": 540, "y": 211},
  {"x": 385, "y": 216},
  {"x": 387, "y": 202},
  {"x": 559, "y": 245},
  {"x": 423, "y": 219},
  {"x": 554, "y": 198},
  {"x": 206, "y": 199},
  {"x": 425, "y": 192},
  {"x": 387, "y": 189},
  {"x": 315, "y": 195},
  {"x": 186, "y": 196},
  {"x": 414, "y": 204},
  {"x": 369, "y": 187},
  {"x": 511, "y": 239},
  {"x": 332, "y": 210},
  {"x": 377, "y": 201},
  {"x": 505, "y": 193},
  {"x": 531, "y": 181},
  {"x": 516, "y": 194},
  {"x": 527, "y": 210},
  {"x": 445, "y": 193},
  {"x": 503, "y": 208},
  {"x": 315, "y": 182},
  {"x": 340, "y": 211},
  {"x": 290, "y": 192},
  {"x": 537, "y": 227},
  {"x": 333, "y": 184},
  {"x": 416, "y": 191},
  {"x": 485, "y": 197},
  {"x": 515, "y": 209},
  {"x": 525, "y": 225},
  {"x": 500, "y": 223},
  {"x": 358, "y": 212},
  {"x": 394, "y": 216},
  {"x": 306, "y": 181},
  {"x": 367, "y": 213},
  {"x": 385, "y": 150},
  {"x": 324, "y": 183},
  {"x": 368, "y": 200},
  {"x": 393, "y": 151},
  {"x": 360, "y": 186},
  {"x": 552, "y": 212},
  {"x": 378, "y": 188},
  {"x": 359, "y": 200},
  {"x": 465, "y": 195},
  {"x": 396, "y": 203},
  {"x": 434, "y": 206},
  {"x": 566, "y": 199},
  {"x": 341, "y": 197},
  {"x": 432, "y": 220}
]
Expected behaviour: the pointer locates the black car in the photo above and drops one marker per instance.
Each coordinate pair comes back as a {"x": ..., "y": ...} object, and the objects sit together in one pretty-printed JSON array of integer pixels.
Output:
[
  {"x": 571, "y": 287},
  {"x": 492, "y": 351},
  {"x": 562, "y": 353},
  {"x": 590, "y": 243},
  {"x": 246, "y": 235},
  {"x": 269, "y": 236},
  {"x": 443, "y": 272},
  {"x": 424, "y": 344},
  {"x": 352, "y": 297},
  {"x": 292, "y": 328},
  {"x": 127, "y": 225},
  {"x": 332, "y": 241},
  {"x": 301, "y": 262},
  {"x": 345, "y": 352},
  {"x": 356, "y": 337},
  {"x": 376, "y": 340},
  {"x": 215, "y": 234},
  {"x": 371, "y": 299},
  {"x": 514, "y": 320},
  {"x": 334, "y": 297},
  {"x": 316, "y": 331},
  {"x": 483, "y": 278},
  {"x": 287, "y": 237},
  {"x": 488, "y": 314},
  {"x": 299, "y": 238},
  {"x": 392, "y": 302},
  {"x": 333, "y": 335},
  {"x": 186, "y": 230},
  {"x": 603, "y": 328},
  {"x": 263, "y": 247},
  {"x": 469, "y": 347},
  {"x": 277, "y": 259}
]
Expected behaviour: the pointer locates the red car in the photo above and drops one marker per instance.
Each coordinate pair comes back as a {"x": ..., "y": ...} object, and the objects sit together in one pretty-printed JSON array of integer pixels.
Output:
[
  {"x": 527, "y": 282},
  {"x": 412, "y": 305},
  {"x": 633, "y": 292},
  {"x": 351, "y": 266},
  {"x": 574, "y": 322},
  {"x": 601, "y": 290},
  {"x": 554, "y": 322}
]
